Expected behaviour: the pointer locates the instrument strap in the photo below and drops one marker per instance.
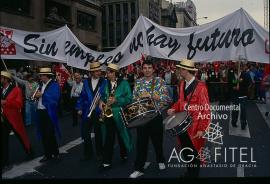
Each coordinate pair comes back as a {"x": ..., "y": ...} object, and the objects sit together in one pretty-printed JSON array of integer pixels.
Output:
[{"x": 196, "y": 83}]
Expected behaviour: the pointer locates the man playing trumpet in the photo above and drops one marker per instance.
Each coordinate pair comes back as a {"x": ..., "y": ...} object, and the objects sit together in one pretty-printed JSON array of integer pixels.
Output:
[
  {"x": 95, "y": 84},
  {"x": 48, "y": 125}
]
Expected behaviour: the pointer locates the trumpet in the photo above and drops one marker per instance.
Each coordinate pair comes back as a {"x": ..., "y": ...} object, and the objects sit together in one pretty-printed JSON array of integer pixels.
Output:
[
  {"x": 94, "y": 103},
  {"x": 33, "y": 96}
]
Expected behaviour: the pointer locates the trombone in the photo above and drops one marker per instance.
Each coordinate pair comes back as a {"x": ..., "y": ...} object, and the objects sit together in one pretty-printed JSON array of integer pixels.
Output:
[{"x": 94, "y": 103}]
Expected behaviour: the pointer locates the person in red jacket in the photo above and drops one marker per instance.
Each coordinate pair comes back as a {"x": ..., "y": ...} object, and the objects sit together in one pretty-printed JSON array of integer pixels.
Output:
[
  {"x": 193, "y": 137},
  {"x": 11, "y": 117}
]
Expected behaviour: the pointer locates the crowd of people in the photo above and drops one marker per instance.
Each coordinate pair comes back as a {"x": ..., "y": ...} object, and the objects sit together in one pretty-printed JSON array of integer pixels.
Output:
[{"x": 99, "y": 94}]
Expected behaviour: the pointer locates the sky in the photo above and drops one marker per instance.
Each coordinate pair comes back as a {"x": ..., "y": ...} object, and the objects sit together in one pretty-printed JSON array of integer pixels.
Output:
[{"x": 215, "y": 9}]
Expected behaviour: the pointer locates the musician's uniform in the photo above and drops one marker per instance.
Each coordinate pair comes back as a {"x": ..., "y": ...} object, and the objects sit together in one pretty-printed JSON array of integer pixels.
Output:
[
  {"x": 89, "y": 90},
  {"x": 115, "y": 125},
  {"x": 154, "y": 129},
  {"x": 11, "y": 120},
  {"x": 199, "y": 98},
  {"x": 48, "y": 125}
]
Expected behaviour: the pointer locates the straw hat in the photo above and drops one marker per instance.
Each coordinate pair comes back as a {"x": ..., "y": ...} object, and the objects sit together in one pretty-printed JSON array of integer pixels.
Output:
[
  {"x": 95, "y": 66},
  {"x": 6, "y": 74},
  {"x": 187, "y": 65},
  {"x": 113, "y": 67},
  {"x": 45, "y": 71}
]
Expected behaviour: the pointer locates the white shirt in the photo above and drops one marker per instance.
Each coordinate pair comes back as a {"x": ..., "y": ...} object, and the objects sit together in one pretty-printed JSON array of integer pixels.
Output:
[
  {"x": 40, "y": 105},
  {"x": 76, "y": 89},
  {"x": 112, "y": 84},
  {"x": 94, "y": 83},
  {"x": 189, "y": 82},
  {"x": 168, "y": 78}
]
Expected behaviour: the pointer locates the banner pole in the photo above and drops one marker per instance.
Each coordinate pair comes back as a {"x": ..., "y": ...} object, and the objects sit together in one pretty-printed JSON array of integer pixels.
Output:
[{"x": 4, "y": 64}]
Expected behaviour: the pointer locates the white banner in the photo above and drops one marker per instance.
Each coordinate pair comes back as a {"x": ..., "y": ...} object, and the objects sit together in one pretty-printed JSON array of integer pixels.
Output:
[{"x": 233, "y": 37}]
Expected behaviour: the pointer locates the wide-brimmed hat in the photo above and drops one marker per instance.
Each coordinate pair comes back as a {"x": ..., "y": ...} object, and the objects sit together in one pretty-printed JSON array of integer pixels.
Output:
[
  {"x": 187, "y": 65},
  {"x": 6, "y": 74},
  {"x": 95, "y": 66},
  {"x": 113, "y": 66},
  {"x": 45, "y": 71}
]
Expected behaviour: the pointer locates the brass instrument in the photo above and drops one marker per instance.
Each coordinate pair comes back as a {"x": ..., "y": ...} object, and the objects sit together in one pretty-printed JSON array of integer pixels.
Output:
[
  {"x": 107, "y": 109},
  {"x": 94, "y": 103}
]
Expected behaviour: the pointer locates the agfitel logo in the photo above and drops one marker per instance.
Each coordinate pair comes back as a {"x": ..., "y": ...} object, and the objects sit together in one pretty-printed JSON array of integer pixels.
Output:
[
  {"x": 220, "y": 154},
  {"x": 213, "y": 133}
]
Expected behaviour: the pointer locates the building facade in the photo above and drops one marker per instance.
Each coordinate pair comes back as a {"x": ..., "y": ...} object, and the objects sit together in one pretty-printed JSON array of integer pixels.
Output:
[
  {"x": 83, "y": 17},
  {"x": 168, "y": 14},
  {"x": 119, "y": 16},
  {"x": 186, "y": 14}
]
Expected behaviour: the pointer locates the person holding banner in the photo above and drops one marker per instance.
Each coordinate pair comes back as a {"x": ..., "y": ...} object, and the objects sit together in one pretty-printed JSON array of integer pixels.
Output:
[
  {"x": 155, "y": 88},
  {"x": 30, "y": 87},
  {"x": 11, "y": 117},
  {"x": 192, "y": 140},
  {"x": 117, "y": 95},
  {"x": 48, "y": 125},
  {"x": 91, "y": 86}
]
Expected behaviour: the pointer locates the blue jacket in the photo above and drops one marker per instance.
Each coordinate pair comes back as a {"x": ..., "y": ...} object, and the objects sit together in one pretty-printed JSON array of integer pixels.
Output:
[{"x": 50, "y": 99}]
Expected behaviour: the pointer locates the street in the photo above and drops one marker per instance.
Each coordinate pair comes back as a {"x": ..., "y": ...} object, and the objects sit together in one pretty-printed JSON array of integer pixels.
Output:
[{"x": 239, "y": 153}]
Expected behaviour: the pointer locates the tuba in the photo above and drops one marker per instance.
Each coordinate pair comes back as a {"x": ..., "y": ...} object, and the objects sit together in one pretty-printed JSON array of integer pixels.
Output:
[{"x": 107, "y": 110}]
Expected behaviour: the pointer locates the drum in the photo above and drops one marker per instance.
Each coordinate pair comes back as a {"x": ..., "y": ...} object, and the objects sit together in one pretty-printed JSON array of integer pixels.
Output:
[
  {"x": 139, "y": 113},
  {"x": 177, "y": 123}
]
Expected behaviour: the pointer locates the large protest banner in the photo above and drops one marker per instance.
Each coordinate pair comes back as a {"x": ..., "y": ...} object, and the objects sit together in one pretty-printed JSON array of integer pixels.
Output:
[{"x": 233, "y": 37}]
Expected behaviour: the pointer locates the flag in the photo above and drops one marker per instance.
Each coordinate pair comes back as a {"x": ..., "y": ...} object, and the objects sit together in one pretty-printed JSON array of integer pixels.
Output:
[
  {"x": 7, "y": 45},
  {"x": 62, "y": 74}
]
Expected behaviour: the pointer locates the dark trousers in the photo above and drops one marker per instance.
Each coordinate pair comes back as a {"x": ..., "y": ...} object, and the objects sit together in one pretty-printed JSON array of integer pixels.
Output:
[
  {"x": 5, "y": 131},
  {"x": 87, "y": 128},
  {"x": 154, "y": 131},
  {"x": 111, "y": 131},
  {"x": 193, "y": 167},
  {"x": 74, "y": 111},
  {"x": 48, "y": 137},
  {"x": 243, "y": 115}
]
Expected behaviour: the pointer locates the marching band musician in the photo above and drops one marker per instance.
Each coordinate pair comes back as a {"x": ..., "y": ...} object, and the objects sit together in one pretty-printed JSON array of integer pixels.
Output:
[
  {"x": 11, "y": 117},
  {"x": 48, "y": 124},
  {"x": 155, "y": 87},
  {"x": 117, "y": 94},
  {"x": 193, "y": 137},
  {"x": 90, "y": 88}
]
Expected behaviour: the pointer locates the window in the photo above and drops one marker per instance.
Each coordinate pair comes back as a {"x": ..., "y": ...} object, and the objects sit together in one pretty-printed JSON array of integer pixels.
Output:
[
  {"x": 86, "y": 21},
  {"x": 118, "y": 12},
  {"x": 91, "y": 46},
  {"x": 57, "y": 12},
  {"x": 17, "y": 6},
  {"x": 125, "y": 8}
]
